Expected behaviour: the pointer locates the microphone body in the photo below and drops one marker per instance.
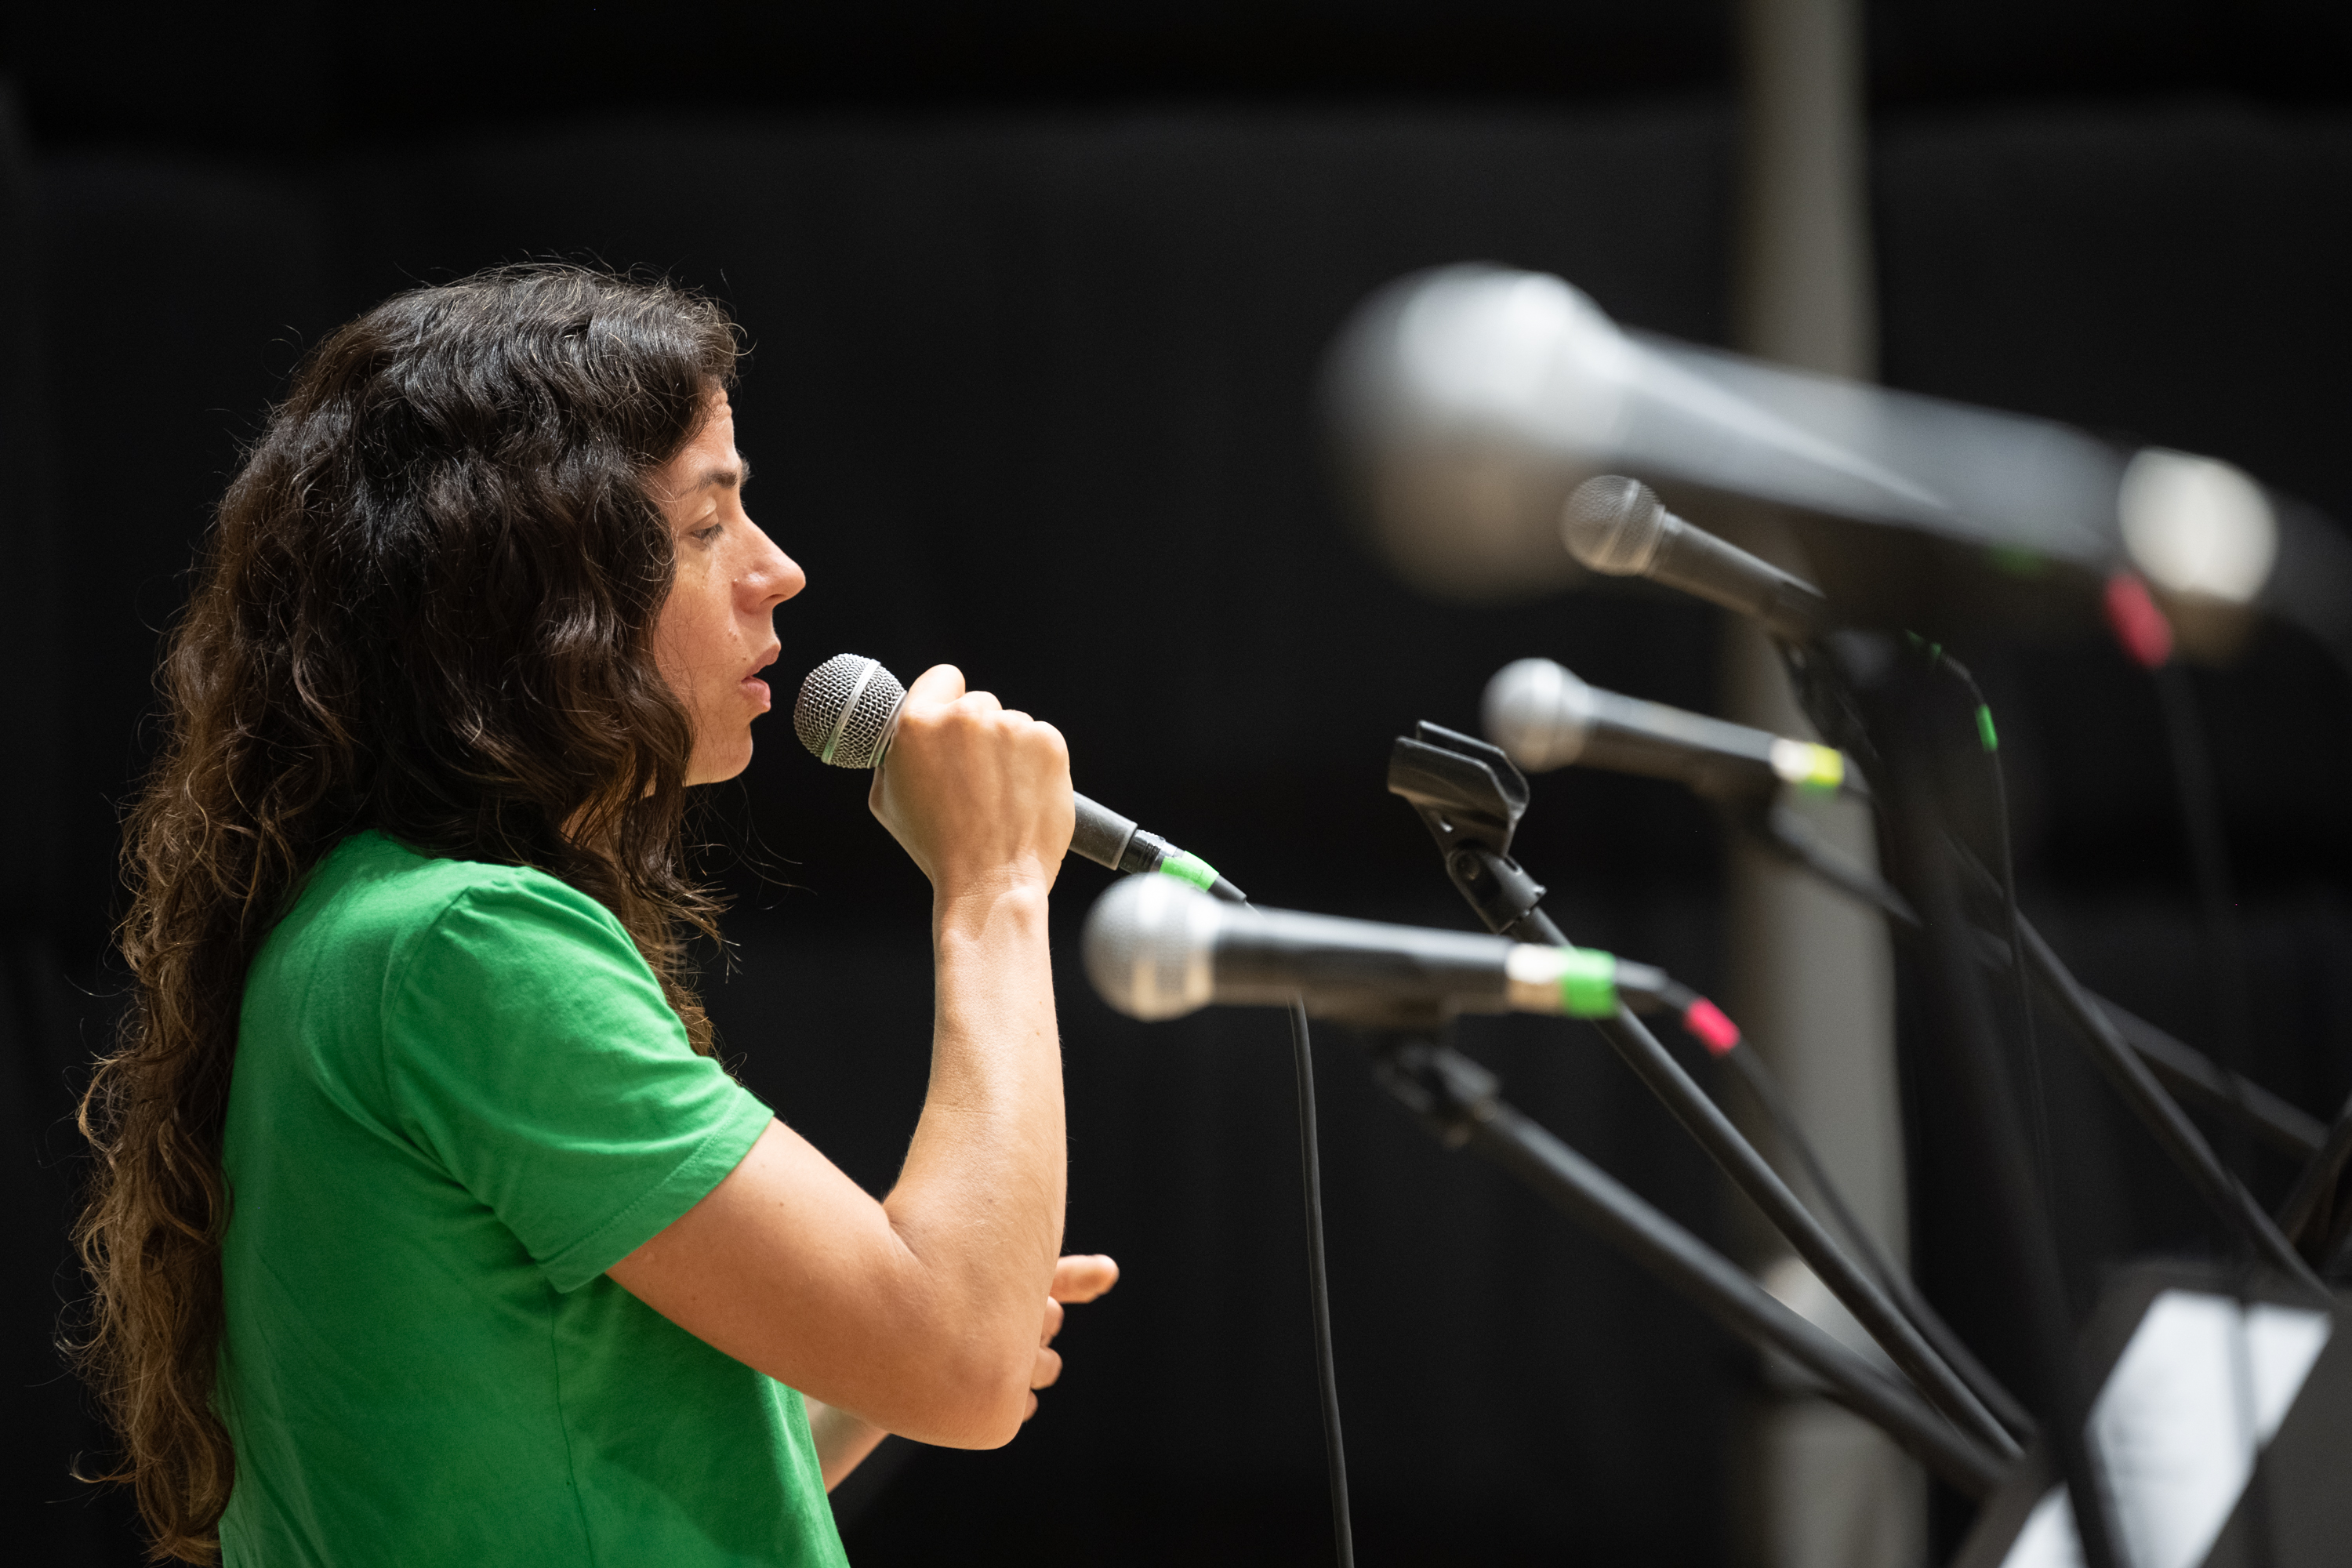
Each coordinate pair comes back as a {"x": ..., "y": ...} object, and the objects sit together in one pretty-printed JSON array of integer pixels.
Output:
[
  {"x": 1545, "y": 718},
  {"x": 1617, "y": 526},
  {"x": 847, "y": 715},
  {"x": 1156, "y": 948}
]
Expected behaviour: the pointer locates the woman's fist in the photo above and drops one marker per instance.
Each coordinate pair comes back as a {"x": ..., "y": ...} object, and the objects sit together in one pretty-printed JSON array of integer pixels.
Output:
[{"x": 979, "y": 795}]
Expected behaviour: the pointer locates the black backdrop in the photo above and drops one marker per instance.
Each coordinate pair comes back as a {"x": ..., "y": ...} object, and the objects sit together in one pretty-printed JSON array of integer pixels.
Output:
[{"x": 1035, "y": 328}]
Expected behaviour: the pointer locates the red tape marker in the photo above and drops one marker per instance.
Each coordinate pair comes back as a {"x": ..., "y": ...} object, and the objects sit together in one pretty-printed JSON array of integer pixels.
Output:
[
  {"x": 2137, "y": 621},
  {"x": 1707, "y": 1024}
]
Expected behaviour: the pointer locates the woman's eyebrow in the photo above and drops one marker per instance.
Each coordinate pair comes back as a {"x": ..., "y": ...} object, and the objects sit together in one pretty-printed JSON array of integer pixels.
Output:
[{"x": 733, "y": 478}]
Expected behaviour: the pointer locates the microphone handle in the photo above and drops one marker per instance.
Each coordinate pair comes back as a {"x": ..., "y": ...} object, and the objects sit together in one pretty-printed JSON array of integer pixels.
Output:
[
  {"x": 1697, "y": 563},
  {"x": 1716, "y": 758},
  {"x": 1328, "y": 960},
  {"x": 1102, "y": 836},
  {"x": 1115, "y": 842}
]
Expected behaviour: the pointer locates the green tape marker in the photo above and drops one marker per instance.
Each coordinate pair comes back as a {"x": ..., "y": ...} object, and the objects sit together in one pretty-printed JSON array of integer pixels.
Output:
[
  {"x": 1984, "y": 729},
  {"x": 1186, "y": 867},
  {"x": 1588, "y": 984}
]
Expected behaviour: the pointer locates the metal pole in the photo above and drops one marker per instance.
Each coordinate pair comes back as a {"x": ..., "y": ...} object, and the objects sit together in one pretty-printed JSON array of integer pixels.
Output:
[{"x": 1812, "y": 977}]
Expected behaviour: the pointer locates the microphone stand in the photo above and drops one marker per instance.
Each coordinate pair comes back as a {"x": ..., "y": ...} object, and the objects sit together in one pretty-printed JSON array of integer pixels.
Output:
[
  {"x": 1470, "y": 796},
  {"x": 2187, "y": 1071},
  {"x": 2191, "y": 1074},
  {"x": 1457, "y": 1099},
  {"x": 2163, "y": 1117},
  {"x": 1492, "y": 798},
  {"x": 1893, "y": 1276},
  {"x": 2129, "y": 1053}
]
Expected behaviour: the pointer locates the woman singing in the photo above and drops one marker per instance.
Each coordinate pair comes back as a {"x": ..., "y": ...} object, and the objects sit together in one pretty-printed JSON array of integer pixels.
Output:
[{"x": 425, "y": 1228}]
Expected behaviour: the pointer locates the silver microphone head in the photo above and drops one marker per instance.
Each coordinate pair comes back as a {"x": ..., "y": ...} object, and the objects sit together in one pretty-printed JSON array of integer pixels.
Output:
[
  {"x": 1466, "y": 401},
  {"x": 1538, "y": 712},
  {"x": 1150, "y": 947},
  {"x": 1613, "y": 524},
  {"x": 848, "y": 710}
]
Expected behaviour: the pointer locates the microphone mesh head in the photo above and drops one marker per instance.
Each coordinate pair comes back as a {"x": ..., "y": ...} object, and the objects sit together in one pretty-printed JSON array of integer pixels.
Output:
[
  {"x": 1614, "y": 525},
  {"x": 1538, "y": 712},
  {"x": 847, "y": 711},
  {"x": 1150, "y": 947}
]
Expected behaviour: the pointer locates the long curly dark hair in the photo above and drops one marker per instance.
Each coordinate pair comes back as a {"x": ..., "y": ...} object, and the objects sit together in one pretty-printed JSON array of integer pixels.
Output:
[{"x": 426, "y": 607}]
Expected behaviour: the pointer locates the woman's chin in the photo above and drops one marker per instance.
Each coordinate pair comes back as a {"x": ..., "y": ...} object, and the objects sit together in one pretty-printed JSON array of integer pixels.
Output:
[{"x": 728, "y": 764}]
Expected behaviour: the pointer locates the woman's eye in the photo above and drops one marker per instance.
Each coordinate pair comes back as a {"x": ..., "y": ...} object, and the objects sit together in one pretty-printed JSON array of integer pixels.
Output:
[{"x": 710, "y": 535}]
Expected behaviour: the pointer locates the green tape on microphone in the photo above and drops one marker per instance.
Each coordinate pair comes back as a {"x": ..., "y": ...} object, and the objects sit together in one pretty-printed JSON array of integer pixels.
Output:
[
  {"x": 1588, "y": 982},
  {"x": 1187, "y": 866}
]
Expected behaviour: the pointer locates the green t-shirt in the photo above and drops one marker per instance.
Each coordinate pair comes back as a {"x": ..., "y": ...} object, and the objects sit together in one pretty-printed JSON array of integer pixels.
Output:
[{"x": 458, "y": 1099}]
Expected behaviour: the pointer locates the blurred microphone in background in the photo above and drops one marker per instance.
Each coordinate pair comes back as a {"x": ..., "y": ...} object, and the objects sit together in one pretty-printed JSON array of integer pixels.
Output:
[{"x": 1469, "y": 401}]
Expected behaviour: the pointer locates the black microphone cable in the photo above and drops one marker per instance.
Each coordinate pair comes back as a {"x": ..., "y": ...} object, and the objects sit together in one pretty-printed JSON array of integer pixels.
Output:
[
  {"x": 2005, "y": 861},
  {"x": 2199, "y": 793},
  {"x": 2199, "y": 799},
  {"x": 2199, "y": 805},
  {"x": 1318, "y": 1286},
  {"x": 1318, "y": 1278},
  {"x": 2146, "y": 636},
  {"x": 2198, "y": 802},
  {"x": 2139, "y": 1060}
]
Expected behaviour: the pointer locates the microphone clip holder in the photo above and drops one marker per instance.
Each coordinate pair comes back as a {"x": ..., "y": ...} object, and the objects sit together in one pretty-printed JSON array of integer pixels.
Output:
[
  {"x": 1444, "y": 1089},
  {"x": 1470, "y": 797}
]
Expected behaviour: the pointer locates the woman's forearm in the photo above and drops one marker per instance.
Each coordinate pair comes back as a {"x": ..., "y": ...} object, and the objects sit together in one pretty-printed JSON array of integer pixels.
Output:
[{"x": 980, "y": 1198}]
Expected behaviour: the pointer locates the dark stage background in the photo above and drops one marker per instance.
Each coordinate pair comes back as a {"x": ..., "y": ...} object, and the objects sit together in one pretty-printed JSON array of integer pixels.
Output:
[{"x": 1038, "y": 298}]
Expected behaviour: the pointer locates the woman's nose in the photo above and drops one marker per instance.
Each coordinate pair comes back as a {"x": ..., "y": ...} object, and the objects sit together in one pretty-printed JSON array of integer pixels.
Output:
[{"x": 773, "y": 577}]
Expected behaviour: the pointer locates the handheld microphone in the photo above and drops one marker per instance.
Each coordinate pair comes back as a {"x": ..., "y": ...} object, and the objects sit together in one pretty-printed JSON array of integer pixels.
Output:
[
  {"x": 847, "y": 715},
  {"x": 1545, "y": 718},
  {"x": 1617, "y": 526},
  {"x": 1156, "y": 949}
]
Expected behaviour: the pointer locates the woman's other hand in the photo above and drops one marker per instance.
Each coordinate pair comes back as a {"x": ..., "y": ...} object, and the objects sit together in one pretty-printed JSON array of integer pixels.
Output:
[{"x": 1076, "y": 1278}]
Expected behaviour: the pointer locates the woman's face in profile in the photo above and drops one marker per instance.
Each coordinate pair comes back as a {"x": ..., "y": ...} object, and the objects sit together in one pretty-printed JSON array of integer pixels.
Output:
[{"x": 717, "y": 631}]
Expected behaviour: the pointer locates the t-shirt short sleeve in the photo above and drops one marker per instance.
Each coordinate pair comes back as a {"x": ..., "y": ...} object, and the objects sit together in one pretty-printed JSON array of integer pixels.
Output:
[{"x": 529, "y": 1051}]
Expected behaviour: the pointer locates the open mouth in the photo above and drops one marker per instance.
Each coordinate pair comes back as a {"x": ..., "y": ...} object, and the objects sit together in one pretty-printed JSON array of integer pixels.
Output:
[{"x": 758, "y": 688}]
